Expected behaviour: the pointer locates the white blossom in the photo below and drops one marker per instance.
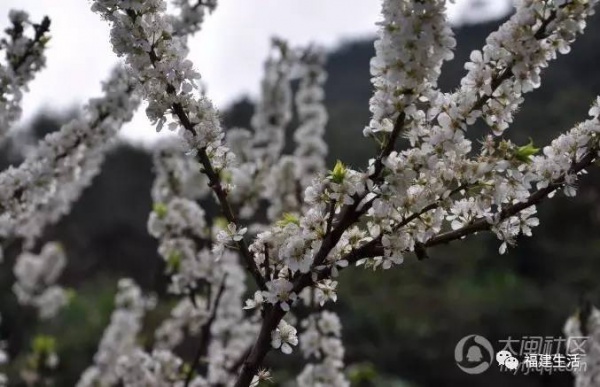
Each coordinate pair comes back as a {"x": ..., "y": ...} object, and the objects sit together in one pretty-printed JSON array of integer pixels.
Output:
[
  {"x": 280, "y": 292},
  {"x": 119, "y": 338},
  {"x": 284, "y": 337},
  {"x": 321, "y": 344},
  {"x": 36, "y": 277},
  {"x": 43, "y": 188},
  {"x": 3, "y": 360},
  {"x": 584, "y": 327},
  {"x": 326, "y": 290}
]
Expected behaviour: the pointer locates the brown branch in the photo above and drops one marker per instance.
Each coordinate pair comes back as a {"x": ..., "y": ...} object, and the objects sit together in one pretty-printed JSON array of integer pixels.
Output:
[
  {"x": 370, "y": 248},
  {"x": 260, "y": 348},
  {"x": 507, "y": 73},
  {"x": 40, "y": 30},
  {"x": 374, "y": 248},
  {"x": 205, "y": 334},
  {"x": 267, "y": 264},
  {"x": 349, "y": 215},
  {"x": 389, "y": 146},
  {"x": 331, "y": 216},
  {"x": 215, "y": 185},
  {"x": 240, "y": 361},
  {"x": 201, "y": 3},
  {"x": 213, "y": 177}
]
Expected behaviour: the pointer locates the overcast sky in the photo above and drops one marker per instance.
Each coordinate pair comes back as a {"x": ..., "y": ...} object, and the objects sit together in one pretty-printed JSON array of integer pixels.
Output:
[{"x": 228, "y": 52}]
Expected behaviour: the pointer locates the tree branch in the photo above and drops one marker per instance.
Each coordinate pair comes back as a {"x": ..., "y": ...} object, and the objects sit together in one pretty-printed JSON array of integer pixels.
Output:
[
  {"x": 40, "y": 30},
  {"x": 213, "y": 177},
  {"x": 260, "y": 348},
  {"x": 375, "y": 249},
  {"x": 205, "y": 334},
  {"x": 348, "y": 216},
  {"x": 388, "y": 147},
  {"x": 507, "y": 73}
]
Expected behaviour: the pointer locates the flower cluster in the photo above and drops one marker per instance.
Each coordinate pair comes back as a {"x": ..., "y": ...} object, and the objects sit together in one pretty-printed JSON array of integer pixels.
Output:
[
  {"x": 273, "y": 112},
  {"x": 310, "y": 149},
  {"x": 155, "y": 55},
  {"x": 178, "y": 221},
  {"x": 259, "y": 149},
  {"x": 24, "y": 57},
  {"x": 160, "y": 368},
  {"x": 232, "y": 330},
  {"x": 213, "y": 283},
  {"x": 412, "y": 205},
  {"x": 44, "y": 187},
  {"x": 293, "y": 173},
  {"x": 120, "y": 337},
  {"x": 264, "y": 173},
  {"x": 35, "y": 279},
  {"x": 434, "y": 192},
  {"x": 585, "y": 325},
  {"x": 510, "y": 63},
  {"x": 321, "y": 342},
  {"x": 414, "y": 40},
  {"x": 191, "y": 15},
  {"x": 218, "y": 321}
]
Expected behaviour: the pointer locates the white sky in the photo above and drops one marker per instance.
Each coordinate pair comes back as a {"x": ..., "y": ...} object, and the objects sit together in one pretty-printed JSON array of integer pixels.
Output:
[{"x": 228, "y": 51}]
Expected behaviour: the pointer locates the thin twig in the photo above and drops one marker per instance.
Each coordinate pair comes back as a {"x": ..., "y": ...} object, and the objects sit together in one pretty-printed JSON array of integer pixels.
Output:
[
  {"x": 40, "y": 30},
  {"x": 267, "y": 263},
  {"x": 375, "y": 249},
  {"x": 213, "y": 177}
]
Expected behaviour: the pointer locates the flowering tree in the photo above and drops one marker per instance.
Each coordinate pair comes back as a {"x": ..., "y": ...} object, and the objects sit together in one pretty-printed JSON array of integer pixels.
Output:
[{"x": 287, "y": 222}]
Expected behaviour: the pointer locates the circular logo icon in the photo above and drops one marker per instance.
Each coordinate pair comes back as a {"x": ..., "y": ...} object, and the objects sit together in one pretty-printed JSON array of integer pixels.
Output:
[{"x": 473, "y": 354}]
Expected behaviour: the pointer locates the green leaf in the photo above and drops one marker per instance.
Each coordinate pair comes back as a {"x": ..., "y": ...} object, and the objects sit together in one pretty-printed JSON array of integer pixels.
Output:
[
  {"x": 43, "y": 344},
  {"x": 174, "y": 261},
  {"x": 338, "y": 173},
  {"x": 160, "y": 209},
  {"x": 525, "y": 152},
  {"x": 288, "y": 218},
  {"x": 220, "y": 223},
  {"x": 71, "y": 294}
]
